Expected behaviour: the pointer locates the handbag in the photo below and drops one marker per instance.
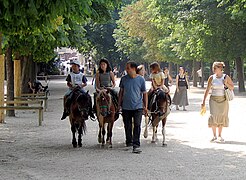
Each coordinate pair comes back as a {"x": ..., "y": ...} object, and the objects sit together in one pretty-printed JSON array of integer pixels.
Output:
[{"x": 229, "y": 94}]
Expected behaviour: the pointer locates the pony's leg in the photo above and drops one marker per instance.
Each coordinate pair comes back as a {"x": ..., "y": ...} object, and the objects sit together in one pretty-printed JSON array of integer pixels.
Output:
[
  {"x": 80, "y": 136},
  {"x": 110, "y": 133},
  {"x": 108, "y": 129},
  {"x": 164, "y": 131},
  {"x": 154, "y": 134},
  {"x": 146, "y": 127},
  {"x": 103, "y": 134},
  {"x": 100, "y": 119},
  {"x": 73, "y": 129},
  {"x": 100, "y": 134},
  {"x": 156, "y": 137}
]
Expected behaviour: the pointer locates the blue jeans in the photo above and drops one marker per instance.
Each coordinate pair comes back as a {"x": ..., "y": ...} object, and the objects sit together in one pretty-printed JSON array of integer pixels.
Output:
[{"x": 136, "y": 116}]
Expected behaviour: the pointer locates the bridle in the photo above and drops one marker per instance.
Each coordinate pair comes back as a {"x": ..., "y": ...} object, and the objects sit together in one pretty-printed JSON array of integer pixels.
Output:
[{"x": 107, "y": 103}]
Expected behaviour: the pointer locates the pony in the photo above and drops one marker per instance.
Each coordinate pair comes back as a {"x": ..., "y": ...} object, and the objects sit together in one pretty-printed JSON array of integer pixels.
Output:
[
  {"x": 79, "y": 112},
  {"x": 159, "y": 110},
  {"x": 106, "y": 113}
]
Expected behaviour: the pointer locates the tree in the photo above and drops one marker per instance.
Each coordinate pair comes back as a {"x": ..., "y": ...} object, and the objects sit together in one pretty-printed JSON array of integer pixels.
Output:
[{"x": 37, "y": 22}]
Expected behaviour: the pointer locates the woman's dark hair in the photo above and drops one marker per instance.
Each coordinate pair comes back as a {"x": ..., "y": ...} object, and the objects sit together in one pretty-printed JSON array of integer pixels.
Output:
[
  {"x": 108, "y": 65},
  {"x": 133, "y": 65}
]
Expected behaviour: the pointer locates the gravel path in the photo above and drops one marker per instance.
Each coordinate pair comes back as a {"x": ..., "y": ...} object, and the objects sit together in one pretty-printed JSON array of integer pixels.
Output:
[{"x": 28, "y": 151}]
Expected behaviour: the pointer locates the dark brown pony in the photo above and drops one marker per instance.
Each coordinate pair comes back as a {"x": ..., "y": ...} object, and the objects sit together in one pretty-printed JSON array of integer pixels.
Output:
[
  {"x": 106, "y": 113},
  {"x": 79, "y": 113},
  {"x": 159, "y": 111}
]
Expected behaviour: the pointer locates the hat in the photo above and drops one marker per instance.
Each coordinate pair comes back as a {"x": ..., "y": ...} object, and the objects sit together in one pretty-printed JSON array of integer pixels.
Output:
[{"x": 75, "y": 62}]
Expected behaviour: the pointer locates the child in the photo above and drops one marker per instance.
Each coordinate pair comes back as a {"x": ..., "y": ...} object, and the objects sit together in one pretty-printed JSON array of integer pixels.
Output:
[
  {"x": 157, "y": 78},
  {"x": 74, "y": 79}
]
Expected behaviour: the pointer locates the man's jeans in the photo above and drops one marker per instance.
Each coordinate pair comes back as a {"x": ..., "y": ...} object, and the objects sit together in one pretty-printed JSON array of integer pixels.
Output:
[{"x": 132, "y": 136}]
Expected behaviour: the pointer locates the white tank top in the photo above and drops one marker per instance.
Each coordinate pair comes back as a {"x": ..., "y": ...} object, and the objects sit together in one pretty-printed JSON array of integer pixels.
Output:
[
  {"x": 76, "y": 78},
  {"x": 218, "y": 86}
]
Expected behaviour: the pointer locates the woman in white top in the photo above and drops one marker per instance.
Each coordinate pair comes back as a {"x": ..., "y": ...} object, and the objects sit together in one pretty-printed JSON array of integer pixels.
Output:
[{"x": 218, "y": 104}]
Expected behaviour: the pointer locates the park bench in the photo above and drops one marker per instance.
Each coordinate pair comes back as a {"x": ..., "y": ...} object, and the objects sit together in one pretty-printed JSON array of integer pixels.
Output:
[{"x": 18, "y": 105}]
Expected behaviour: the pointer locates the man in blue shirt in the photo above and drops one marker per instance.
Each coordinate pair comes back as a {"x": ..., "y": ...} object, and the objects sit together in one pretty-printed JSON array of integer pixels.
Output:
[{"x": 132, "y": 100}]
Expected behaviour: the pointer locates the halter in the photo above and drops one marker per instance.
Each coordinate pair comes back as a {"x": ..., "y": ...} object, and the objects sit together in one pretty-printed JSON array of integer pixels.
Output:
[{"x": 107, "y": 102}]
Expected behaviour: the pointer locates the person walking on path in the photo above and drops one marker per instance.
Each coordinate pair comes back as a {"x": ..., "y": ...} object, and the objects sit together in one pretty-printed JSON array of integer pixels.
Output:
[
  {"x": 132, "y": 100},
  {"x": 218, "y": 104},
  {"x": 141, "y": 70},
  {"x": 167, "y": 78},
  {"x": 180, "y": 96}
]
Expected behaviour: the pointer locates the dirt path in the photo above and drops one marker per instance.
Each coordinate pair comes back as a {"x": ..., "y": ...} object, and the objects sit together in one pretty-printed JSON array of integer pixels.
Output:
[{"x": 28, "y": 151}]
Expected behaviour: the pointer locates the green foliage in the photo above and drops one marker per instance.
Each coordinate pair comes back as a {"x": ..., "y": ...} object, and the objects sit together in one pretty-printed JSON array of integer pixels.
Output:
[
  {"x": 183, "y": 30},
  {"x": 37, "y": 27}
]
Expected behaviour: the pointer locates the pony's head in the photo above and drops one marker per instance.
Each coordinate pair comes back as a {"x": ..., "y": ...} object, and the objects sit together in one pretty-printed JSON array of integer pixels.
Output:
[
  {"x": 104, "y": 101},
  {"x": 162, "y": 102},
  {"x": 84, "y": 102}
]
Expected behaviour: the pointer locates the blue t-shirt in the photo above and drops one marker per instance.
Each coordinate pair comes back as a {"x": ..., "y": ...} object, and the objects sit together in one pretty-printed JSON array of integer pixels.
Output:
[{"x": 133, "y": 92}]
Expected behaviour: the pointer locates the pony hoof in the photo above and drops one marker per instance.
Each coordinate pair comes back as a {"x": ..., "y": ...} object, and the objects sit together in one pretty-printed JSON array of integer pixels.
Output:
[
  {"x": 153, "y": 141},
  {"x": 164, "y": 144},
  {"x": 145, "y": 134},
  {"x": 99, "y": 140},
  {"x": 110, "y": 146},
  {"x": 74, "y": 145},
  {"x": 80, "y": 145}
]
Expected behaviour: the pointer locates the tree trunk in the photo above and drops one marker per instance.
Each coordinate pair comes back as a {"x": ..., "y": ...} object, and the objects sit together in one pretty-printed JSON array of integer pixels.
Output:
[
  {"x": 203, "y": 77},
  {"x": 1, "y": 81},
  {"x": 211, "y": 68},
  {"x": 240, "y": 74},
  {"x": 10, "y": 79},
  {"x": 194, "y": 72},
  {"x": 227, "y": 68},
  {"x": 28, "y": 73},
  {"x": 170, "y": 68}
]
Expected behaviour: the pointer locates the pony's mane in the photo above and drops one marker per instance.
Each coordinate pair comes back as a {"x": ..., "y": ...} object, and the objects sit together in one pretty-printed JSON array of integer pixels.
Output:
[{"x": 82, "y": 96}]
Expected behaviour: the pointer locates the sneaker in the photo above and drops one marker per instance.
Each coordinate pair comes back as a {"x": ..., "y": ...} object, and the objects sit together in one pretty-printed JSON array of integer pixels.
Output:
[
  {"x": 64, "y": 115},
  {"x": 220, "y": 140},
  {"x": 214, "y": 139},
  {"x": 136, "y": 150}
]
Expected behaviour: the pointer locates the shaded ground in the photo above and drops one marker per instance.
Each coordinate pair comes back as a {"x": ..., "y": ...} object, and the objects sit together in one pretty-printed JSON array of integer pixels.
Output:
[{"x": 31, "y": 152}]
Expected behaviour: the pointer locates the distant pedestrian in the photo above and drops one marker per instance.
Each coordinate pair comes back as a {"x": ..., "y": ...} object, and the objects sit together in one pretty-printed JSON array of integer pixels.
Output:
[
  {"x": 132, "y": 100},
  {"x": 180, "y": 98},
  {"x": 218, "y": 104},
  {"x": 141, "y": 70},
  {"x": 167, "y": 78},
  {"x": 199, "y": 73}
]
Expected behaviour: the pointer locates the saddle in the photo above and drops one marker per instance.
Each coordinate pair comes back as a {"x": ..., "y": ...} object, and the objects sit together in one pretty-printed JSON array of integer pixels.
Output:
[{"x": 153, "y": 100}]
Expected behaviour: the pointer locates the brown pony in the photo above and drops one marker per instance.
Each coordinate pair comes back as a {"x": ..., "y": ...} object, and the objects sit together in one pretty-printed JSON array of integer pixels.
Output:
[
  {"x": 106, "y": 113},
  {"x": 79, "y": 113},
  {"x": 159, "y": 111}
]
